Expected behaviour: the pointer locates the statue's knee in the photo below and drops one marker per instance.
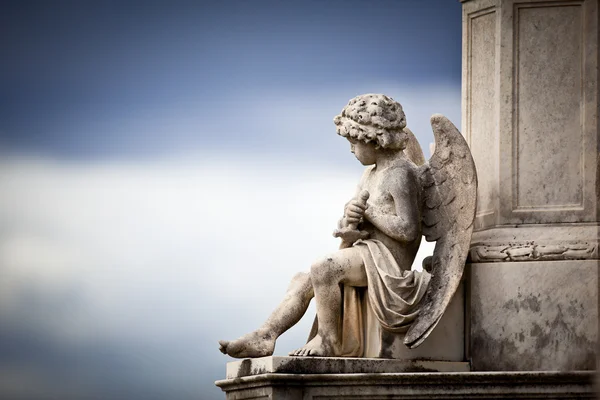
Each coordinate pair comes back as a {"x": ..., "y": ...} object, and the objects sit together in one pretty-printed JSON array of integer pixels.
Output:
[{"x": 323, "y": 271}]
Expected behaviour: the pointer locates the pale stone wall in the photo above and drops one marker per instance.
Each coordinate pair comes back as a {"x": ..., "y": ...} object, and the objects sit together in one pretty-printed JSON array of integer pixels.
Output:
[
  {"x": 530, "y": 115},
  {"x": 535, "y": 316}
]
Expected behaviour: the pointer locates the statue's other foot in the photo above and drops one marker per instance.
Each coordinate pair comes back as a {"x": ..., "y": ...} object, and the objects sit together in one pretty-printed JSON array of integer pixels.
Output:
[
  {"x": 254, "y": 344},
  {"x": 316, "y": 347}
]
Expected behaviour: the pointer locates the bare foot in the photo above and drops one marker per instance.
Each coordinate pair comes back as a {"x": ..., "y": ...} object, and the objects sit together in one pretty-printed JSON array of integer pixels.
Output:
[
  {"x": 316, "y": 347},
  {"x": 254, "y": 344}
]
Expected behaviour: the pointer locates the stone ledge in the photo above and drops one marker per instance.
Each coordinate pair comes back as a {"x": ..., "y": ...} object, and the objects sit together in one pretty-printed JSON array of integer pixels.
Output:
[
  {"x": 336, "y": 365},
  {"x": 536, "y": 242},
  {"x": 424, "y": 385}
]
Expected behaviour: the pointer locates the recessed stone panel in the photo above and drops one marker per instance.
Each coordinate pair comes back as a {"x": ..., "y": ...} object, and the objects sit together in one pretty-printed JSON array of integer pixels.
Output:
[
  {"x": 481, "y": 129},
  {"x": 548, "y": 102}
]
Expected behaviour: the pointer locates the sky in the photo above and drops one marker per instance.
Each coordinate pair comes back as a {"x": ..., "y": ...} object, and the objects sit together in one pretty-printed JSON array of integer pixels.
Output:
[{"x": 167, "y": 167}]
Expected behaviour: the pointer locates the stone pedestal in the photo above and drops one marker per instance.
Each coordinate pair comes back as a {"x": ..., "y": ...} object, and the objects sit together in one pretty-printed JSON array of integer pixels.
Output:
[
  {"x": 530, "y": 116},
  {"x": 446, "y": 342},
  {"x": 303, "y": 378},
  {"x": 533, "y": 303}
]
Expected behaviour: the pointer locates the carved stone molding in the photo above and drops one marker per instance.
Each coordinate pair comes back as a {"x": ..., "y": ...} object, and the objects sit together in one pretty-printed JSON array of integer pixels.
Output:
[
  {"x": 533, "y": 251},
  {"x": 536, "y": 242}
]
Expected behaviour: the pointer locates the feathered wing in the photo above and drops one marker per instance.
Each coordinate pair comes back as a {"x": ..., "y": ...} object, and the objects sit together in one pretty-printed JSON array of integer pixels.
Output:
[
  {"x": 413, "y": 149},
  {"x": 449, "y": 183}
]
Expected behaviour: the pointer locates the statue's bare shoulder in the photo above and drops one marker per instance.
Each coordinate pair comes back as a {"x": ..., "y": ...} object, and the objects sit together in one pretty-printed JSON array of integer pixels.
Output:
[
  {"x": 402, "y": 177},
  {"x": 400, "y": 184}
]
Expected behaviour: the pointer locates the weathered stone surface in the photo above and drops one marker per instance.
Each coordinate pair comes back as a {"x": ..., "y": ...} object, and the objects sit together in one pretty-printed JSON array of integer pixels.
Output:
[
  {"x": 445, "y": 343},
  {"x": 534, "y": 315},
  {"x": 422, "y": 385},
  {"x": 336, "y": 365},
  {"x": 479, "y": 116},
  {"x": 530, "y": 116},
  {"x": 536, "y": 242},
  {"x": 530, "y": 98}
]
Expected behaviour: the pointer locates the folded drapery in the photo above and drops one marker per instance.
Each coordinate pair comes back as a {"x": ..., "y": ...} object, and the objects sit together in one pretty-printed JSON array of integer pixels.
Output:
[{"x": 393, "y": 296}]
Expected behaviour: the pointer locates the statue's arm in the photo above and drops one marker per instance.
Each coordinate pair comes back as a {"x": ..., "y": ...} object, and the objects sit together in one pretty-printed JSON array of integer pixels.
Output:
[{"x": 404, "y": 225}]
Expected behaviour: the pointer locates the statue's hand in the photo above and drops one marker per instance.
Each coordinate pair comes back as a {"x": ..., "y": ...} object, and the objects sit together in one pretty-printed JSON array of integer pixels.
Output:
[
  {"x": 354, "y": 212},
  {"x": 355, "y": 209}
]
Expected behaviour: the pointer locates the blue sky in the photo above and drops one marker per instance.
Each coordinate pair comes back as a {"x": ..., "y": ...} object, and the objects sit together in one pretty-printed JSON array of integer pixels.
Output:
[
  {"x": 168, "y": 166},
  {"x": 146, "y": 78}
]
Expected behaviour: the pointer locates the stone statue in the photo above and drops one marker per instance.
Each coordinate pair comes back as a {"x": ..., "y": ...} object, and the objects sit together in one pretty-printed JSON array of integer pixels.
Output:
[{"x": 399, "y": 198}]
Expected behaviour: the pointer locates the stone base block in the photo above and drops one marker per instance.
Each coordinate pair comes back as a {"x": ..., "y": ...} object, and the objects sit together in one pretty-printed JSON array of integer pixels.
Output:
[
  {"x": 534, "y": 315},
  {"x": 445, "y": 343},
  {"x": 333, "y": 365},
  {"x": 299, "y": 378}
]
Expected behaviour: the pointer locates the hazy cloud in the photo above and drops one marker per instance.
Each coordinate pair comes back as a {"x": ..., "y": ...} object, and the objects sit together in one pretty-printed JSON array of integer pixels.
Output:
[{"x": 123, "y": 268}]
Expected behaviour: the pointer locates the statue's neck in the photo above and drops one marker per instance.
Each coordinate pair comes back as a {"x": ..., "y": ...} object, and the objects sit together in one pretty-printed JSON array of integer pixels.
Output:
[{"x": 385, "y": 158}]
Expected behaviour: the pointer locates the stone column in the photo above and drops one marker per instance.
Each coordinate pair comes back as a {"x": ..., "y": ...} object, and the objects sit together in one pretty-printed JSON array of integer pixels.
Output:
[{"x": 530, "y": 115}]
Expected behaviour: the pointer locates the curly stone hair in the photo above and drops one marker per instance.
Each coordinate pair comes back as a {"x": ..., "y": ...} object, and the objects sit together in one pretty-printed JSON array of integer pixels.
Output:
[{"x": 373, "y": 118}]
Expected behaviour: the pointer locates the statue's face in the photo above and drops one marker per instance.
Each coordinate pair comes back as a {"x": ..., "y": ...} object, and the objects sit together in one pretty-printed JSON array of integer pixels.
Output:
[{"x": 364, "y": 152}]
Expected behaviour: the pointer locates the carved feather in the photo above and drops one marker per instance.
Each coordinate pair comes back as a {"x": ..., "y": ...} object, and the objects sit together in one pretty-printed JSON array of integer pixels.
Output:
[
  {"x": 449, "y": 184},
  {"x": 413, "y": 148}
]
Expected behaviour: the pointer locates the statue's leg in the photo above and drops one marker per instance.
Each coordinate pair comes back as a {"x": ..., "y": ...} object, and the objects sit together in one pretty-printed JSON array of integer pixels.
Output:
[
  {"x": 345, "y": 267},
  {"x": 261, "y": 342}
]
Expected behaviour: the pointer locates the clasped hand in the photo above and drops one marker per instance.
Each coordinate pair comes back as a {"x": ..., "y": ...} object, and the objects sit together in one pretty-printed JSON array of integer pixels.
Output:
[{"x": 354, "y": 212}]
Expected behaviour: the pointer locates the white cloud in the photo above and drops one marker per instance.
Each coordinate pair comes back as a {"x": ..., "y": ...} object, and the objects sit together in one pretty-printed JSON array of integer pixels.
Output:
[{"x": 151, "y": 252}]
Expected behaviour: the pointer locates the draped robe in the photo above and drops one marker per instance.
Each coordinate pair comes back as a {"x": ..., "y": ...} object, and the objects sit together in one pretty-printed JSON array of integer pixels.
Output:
[{"x": 392, "y": 295}]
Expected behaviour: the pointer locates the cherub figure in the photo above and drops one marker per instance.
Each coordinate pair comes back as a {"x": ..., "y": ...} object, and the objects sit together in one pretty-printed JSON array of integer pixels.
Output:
[{"x": 399, "y": 198}]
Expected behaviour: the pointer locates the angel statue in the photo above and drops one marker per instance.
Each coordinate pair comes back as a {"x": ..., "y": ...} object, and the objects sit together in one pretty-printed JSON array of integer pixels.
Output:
[{"x": 399, "y": 198}]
